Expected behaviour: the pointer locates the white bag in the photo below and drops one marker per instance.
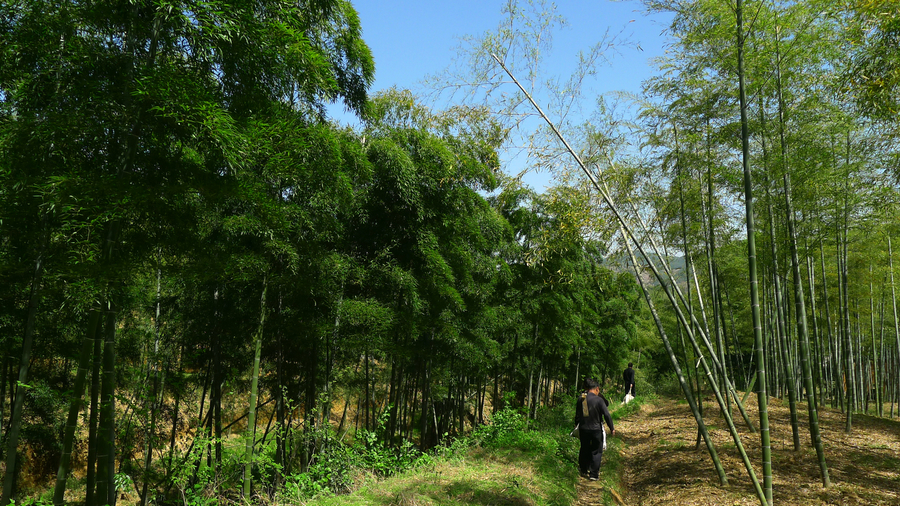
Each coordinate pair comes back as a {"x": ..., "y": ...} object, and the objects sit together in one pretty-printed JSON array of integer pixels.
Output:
[{"x": 628, "y": 398}]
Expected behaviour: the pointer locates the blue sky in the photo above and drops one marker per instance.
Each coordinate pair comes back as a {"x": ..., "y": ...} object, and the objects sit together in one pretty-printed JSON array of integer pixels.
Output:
[{"x": 412, "y": 39}]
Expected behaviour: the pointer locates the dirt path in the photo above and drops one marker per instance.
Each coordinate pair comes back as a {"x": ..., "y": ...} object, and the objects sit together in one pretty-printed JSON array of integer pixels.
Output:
[{"x": 661, "y": 465}]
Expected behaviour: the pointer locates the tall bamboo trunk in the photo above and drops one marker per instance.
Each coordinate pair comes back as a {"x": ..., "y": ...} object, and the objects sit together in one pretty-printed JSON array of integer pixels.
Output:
[
  {"x": 770, "y": 352},
  {"x": 880, "y": 365},
  {"x": 15, "y": 421},
  {"x": 529, "y": 403},
  {"x": 74, "y": 407},
  {"x": 716, "y": 299},
  {"x": 254, "y": 391},
  {"x": 779, "y": 313},
  {"x": 835, "y": 386},
  {"x": 216, "y": 390},
  {"x": 802, "y": 329},
  {"x": 874, "y": 361},
  {"x": 896, "y": 330},
  {"x": 762, "y": 400},
  {"x": 106, "y": 435},
  {"x": 4, "y": 373},
  {"x": 849, "y": 372},
  {"x": 151, "y": 427},
  {"x": 818, "y": 376}
]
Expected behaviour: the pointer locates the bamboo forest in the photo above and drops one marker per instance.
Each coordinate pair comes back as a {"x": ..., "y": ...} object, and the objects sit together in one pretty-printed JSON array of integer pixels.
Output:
[{"x": 214, "y": 292}]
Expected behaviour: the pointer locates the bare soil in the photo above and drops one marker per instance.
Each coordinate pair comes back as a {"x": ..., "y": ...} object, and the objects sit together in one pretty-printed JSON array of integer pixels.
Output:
[{"x": 662, "y": 465}]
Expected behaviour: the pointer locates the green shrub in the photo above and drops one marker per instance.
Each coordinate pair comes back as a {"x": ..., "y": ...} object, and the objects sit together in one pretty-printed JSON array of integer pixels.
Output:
[
  {"x": 506, "y": 426},
  {"x": 301, "y": 487},
  {"x": 385, "y": 460},
  {"x": 199, "y": 490}
]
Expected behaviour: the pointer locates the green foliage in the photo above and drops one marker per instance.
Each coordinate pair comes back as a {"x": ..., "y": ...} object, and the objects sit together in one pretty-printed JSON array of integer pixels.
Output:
[
  {"x": 40, "y": 501},
  {"x": 506, "y": 428},
  {"x": 302, "y": 487},
  {"x": 183, "y": 161},
  {"x": 874, "y": 71},
  {"x": 386, "y": 460},
  {"x": 198, "y": 484},
  {"x": 510, "y": 431},
  {"x": 338, "y": 464},
  {"x": 123, "y": 482},
  {"x": 377, "y": 456},
  {"x": 198, "y": 495},
  {"x": 48, "y": 406}
]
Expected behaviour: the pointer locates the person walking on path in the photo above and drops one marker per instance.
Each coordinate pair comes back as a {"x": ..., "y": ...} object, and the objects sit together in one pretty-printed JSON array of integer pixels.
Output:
[
  {"x": 628, "y": 379},
  {"x": 588, "y": 412}
]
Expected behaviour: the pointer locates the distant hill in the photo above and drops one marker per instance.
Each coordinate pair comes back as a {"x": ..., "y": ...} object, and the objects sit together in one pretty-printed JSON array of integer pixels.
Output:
[{"x": 619, "y": 262}]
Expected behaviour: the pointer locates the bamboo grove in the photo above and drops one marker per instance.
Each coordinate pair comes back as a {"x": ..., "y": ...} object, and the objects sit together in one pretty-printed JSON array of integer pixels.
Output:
[
  {"x": 205, "y": 281},
  {"x": 788, "y": 289},
  {"x": 209, "y": 286},
  {"x": 787, "y": 111}
]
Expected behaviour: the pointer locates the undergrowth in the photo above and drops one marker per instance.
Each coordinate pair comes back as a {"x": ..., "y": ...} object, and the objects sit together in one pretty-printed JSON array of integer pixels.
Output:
[{"x": 510, "y": 460}]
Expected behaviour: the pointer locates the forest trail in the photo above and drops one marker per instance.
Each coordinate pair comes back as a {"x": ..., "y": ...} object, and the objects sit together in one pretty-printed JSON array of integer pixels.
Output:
[{"x": 661, "y": 465}]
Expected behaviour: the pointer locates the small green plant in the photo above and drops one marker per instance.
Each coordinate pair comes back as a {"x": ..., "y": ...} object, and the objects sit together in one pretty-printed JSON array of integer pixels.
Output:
[
  {"x": 198, "y": 495},
  {"x": 301, "y": 487},
  {"x": 665, "y": 444},
  {"x": 123, "y": 482},
  {"x": 196, "y": 484},
  {"x": 39, "y": 501},
  {"x": 382, "y": 458}
]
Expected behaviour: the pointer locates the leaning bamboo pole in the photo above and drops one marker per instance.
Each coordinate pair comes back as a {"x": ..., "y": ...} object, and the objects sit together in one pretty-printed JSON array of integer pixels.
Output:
[
  {"x": 694, "y": 323},
  {"x": 695, "y": 410}
]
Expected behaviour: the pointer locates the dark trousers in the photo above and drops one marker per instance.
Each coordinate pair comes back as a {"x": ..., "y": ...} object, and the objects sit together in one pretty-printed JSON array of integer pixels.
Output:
[{"x": 591, "y": 452}]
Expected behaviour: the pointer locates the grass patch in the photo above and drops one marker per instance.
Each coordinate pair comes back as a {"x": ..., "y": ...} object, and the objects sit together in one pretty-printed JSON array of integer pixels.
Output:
[
  {"x": 479, "y": 476},
  {"x": 612, "y": 470},
  {"x": 865, "y": 460},
  {"x": 509, "y": 463},
  {"x": 888, "y": 464},
  {"x": 665, "y": 444}
]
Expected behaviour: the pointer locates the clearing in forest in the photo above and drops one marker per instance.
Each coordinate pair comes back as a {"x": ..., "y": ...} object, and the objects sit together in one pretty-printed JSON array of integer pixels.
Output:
[{"x": 661, "y": 465}]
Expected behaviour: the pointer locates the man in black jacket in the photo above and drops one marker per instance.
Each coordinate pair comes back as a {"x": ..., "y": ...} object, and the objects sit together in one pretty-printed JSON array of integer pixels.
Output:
[
  {"x": 628, "y": 379},
  {"x": 588, "y": 411}
]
